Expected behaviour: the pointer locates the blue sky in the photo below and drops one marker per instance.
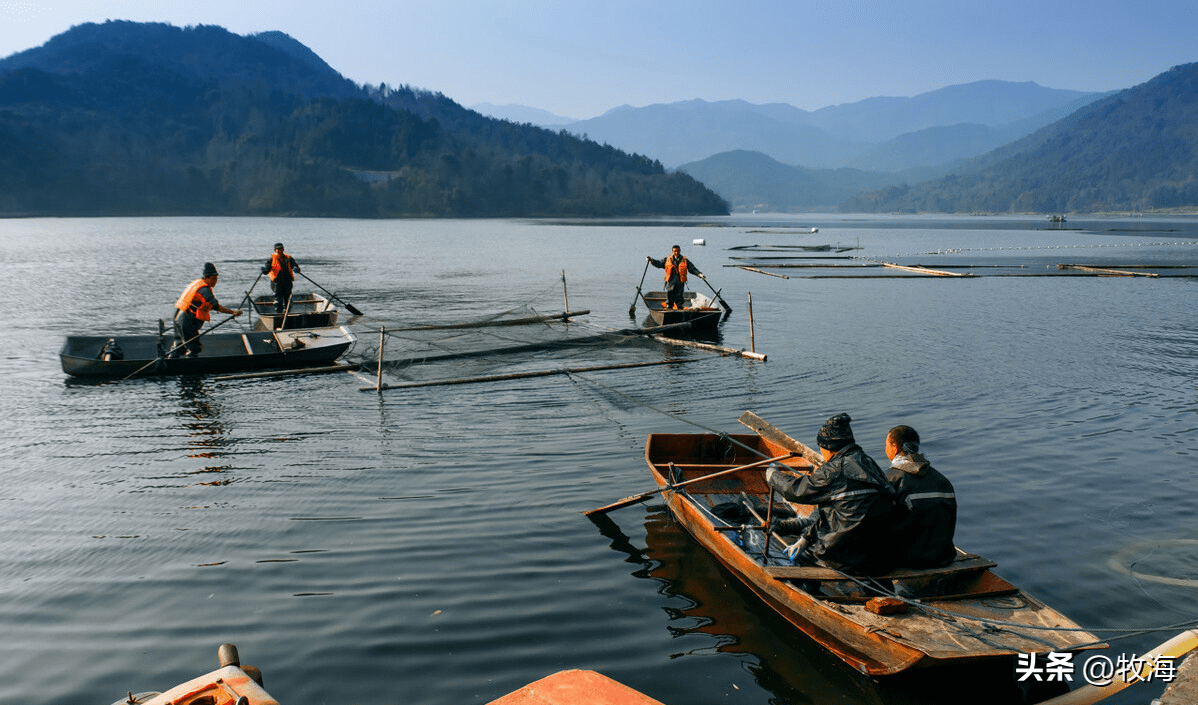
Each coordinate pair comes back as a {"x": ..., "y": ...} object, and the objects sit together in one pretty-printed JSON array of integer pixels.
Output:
[{"x": 579, "y": 58}]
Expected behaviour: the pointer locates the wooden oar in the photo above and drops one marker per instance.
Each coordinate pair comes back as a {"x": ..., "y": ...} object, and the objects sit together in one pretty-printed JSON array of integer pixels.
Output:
[
  {"x": 250, "y": 301},
  {"x": 632, "y": 308},
  {"x": 769, "y": 432},
  {"x": 717, "y": 294},
  {"x": 645, "y": 495},
  {"x": 350, "y": 307}
]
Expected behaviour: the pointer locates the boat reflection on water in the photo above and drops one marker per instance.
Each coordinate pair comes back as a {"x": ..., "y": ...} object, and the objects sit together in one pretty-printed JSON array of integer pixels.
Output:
[
  {"x": 790, "y": 665},
  {"x": 207, "y": 435}
]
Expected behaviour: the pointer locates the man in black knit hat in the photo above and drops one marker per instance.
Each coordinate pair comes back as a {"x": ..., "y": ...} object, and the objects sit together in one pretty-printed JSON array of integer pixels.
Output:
[{"x": 848, "y": 530}]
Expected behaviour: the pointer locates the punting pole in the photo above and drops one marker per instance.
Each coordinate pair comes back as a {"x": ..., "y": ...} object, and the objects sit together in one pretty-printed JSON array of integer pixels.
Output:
[
  {"x": 1176, "y": 647},
  {"x": 283, "y": 373},
  {"x": 382, "y": 342},
  {"x": 708, "y": 346},
  {"x": 752, "y": 337},
  {"x": 522, "y": 375}
]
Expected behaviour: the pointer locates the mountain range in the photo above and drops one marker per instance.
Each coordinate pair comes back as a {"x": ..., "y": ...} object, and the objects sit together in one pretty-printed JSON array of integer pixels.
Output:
[
  {"x": 876, "y": 134},
  {"x": 147, "y": 118}
]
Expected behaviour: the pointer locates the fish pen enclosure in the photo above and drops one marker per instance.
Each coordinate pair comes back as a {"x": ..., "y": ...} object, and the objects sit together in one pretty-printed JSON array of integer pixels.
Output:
[
  {"x": 1144, "y": 258},
  {"x": 520, "y": 342},
  {"x": 512, "y": 345}
]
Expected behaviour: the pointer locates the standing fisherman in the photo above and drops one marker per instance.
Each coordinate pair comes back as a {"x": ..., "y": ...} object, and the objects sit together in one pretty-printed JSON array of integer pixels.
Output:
[
  {"x": 195, "y": 306},
  {"x": 282, "y": 268},
  {"x": 676, "y": 266}
]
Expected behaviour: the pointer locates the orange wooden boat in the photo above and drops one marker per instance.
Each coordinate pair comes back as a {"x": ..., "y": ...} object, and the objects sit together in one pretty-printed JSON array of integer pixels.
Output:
[
  {"x": 881, "y": 625},
  {"x": 231, "y": 684}
]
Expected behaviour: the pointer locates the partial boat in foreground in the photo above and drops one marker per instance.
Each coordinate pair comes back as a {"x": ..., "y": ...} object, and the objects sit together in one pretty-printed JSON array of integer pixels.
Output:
[
  {"x": 231, "y": 684},
  {"x": 117, "y": 357},
  {"x": 698, "y": 310},
  {"x": 309, "y": 310},
  {"x": 881, "y": 625}
]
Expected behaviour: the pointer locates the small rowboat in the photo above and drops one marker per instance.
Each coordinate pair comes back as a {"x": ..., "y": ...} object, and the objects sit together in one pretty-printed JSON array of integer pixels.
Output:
[
  {"x": 309, "y": 310},
  {"x": 231, "y": 684},
  {"x": 117, "y": 357},
  {"x": 881, "y": 625},
  {"x": 700, "y": 311}
]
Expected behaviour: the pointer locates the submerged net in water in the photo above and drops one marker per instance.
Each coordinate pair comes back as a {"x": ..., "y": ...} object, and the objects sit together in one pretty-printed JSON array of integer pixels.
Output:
[{"x": 514, "y": 341}]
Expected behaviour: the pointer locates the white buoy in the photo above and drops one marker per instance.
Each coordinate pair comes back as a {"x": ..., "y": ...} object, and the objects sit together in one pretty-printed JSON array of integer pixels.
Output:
[{"x": 699, "y": 241}]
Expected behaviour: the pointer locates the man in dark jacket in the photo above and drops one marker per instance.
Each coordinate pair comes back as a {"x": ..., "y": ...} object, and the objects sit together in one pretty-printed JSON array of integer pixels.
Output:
[
  {"x": 925, "y": 512},
  {"x": 849, "y": 527}
]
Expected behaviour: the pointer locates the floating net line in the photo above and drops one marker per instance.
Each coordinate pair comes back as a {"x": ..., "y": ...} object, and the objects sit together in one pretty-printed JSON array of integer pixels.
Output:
[{"x": 527, "y": 337}]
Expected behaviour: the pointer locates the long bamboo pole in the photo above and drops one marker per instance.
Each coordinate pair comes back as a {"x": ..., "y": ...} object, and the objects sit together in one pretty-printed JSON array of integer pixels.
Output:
[
  {"x": 709, "y": 346},
  {"x": 523, "y": 375},
  {"x": 752, "y": 337},
  {"x": 490, "y": 324},
  {"x": 382, "y": 342}
]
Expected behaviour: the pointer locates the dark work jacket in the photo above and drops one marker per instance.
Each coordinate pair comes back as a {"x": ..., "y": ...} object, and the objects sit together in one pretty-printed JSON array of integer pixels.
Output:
[
  {"x": 925, "y": 513},
  {"x": 853, "y": 503}
]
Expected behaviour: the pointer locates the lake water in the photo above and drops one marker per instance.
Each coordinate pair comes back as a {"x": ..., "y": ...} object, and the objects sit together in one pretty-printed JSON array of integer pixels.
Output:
[{"x": 428, "y": 545}]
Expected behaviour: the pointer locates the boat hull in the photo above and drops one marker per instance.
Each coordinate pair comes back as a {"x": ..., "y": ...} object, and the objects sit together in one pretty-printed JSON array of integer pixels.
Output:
[
  {"x": 703, "y": 319},
  {"x": 306, "y": 311},
  {"x": 142, "y": 355},
  {"x": 833, "y": 616}
]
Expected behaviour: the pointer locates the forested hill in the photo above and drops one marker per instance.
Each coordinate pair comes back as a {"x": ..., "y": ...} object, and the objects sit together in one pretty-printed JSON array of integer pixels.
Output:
[
  {"x": 126, "y": 118},
  {"x": 1136, "y": 150}
]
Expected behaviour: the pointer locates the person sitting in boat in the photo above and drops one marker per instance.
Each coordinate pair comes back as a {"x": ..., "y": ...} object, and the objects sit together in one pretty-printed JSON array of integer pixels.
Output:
[
  {"x": 849, "y": 528},
  {"x": 195, "y": 307},
  {"x": 925, "y": 505},
  {"x": 282, "y": 268},
  {"x": 677, "y": 266}
]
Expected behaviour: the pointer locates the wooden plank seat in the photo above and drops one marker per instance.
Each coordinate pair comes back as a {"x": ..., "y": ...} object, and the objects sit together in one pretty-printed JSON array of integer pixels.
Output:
[{"x": 965, "y": 563}]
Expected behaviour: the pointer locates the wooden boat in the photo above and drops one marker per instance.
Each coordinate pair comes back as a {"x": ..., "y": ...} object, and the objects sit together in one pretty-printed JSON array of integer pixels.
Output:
[
  {"x": 964, "y": 612},
  {"x": 309, "y": 310},
  {"x": 231, "y": 684},
  {"x": 117, "y": 357},
  {"x": 700, "y": 311}
]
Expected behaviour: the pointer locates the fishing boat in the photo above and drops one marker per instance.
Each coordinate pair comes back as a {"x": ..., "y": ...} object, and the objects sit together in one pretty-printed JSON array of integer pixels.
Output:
[
  {"x": 121, "y": 356},
  {"x": 231, "y": 684},
  {"x": 309, "y": 310},
  {"x": 881, "y": 625},
  {"x": 698, "y": 310}
]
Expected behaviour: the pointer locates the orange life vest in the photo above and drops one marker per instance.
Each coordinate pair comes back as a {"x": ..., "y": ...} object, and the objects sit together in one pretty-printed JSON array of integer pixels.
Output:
[
  {"x": 279, "y": 264},
  {"x": 190, "y": 300},
  {"x": 681, "y": 268}
]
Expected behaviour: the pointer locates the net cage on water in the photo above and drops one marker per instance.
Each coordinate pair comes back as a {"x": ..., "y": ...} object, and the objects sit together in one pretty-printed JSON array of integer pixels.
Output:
[{"x": 516, "y": 342}]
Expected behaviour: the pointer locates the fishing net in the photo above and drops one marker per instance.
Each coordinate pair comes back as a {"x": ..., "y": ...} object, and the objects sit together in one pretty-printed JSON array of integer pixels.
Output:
[{"x": 530, "y": 337}]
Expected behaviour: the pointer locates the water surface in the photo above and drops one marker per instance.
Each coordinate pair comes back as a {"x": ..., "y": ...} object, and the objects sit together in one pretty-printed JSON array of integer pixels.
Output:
[{"x": 428, "y": 546}]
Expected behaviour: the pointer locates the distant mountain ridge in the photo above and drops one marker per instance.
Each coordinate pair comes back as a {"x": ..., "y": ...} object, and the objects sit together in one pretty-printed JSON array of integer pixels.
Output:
[
  {"x": 1136, "y": 150},
  {"x": 145, "y": 118},
  {"x": 752, "y": 181},
  {"x": 854, "y": 134}
]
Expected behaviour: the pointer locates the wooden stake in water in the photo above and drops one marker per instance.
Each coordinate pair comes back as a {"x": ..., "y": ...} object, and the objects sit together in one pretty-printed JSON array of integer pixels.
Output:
[
  {"x": 752, "y": 338},
  {"x": 564, "y": 292},
  {"x": 382, "y": 340}
]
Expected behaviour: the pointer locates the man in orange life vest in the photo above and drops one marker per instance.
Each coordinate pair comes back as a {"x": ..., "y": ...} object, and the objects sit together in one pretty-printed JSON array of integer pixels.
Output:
[
  {"x": 195, "y": 306},
  {"x": 677, "y": 266},
  {"x": 282, "y": 268}
]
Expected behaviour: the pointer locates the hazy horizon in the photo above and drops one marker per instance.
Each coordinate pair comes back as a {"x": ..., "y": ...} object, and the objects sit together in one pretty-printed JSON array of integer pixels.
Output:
[{"x": 579, "y": 61}]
